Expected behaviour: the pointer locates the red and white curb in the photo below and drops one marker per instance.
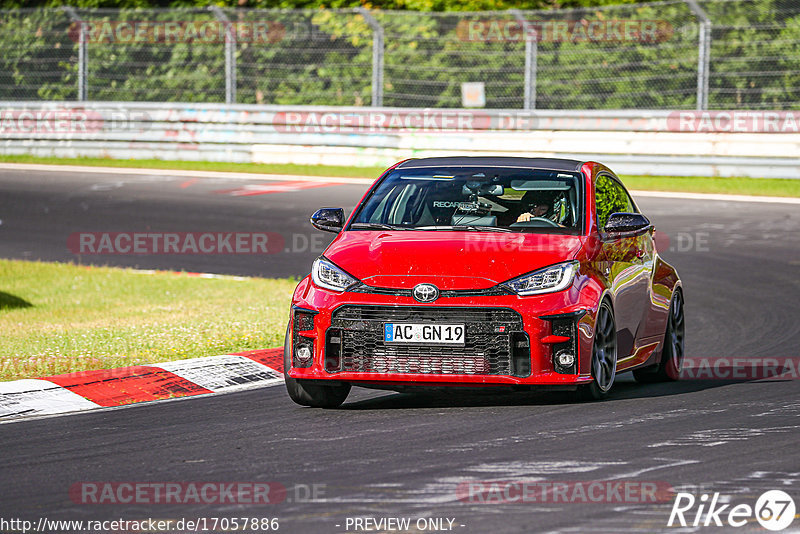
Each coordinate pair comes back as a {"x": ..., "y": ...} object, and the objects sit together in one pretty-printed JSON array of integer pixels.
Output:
[{"x": 90, "y": 390}]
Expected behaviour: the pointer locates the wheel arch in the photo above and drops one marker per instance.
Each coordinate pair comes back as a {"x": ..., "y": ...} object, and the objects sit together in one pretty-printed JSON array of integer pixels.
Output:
[{"x": 590, "y": 320}]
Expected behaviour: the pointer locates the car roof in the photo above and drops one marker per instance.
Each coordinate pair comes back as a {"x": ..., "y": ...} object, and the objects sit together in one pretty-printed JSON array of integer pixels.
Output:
[{"x": 555, "y": 164}]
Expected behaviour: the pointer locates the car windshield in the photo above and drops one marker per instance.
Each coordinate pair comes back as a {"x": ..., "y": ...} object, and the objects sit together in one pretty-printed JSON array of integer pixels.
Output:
[{"x": 501, "y": 199}]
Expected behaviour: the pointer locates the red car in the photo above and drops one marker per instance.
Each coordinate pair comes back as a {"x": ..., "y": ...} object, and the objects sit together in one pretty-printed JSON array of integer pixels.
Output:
[{"x": 477, "y": 271}]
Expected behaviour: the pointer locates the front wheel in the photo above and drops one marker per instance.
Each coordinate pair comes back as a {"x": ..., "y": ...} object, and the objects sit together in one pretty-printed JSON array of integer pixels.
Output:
[
  {"x": 604, "y": 356},
  {"x": 669, "y": 368},
  {"x": 305, "y": 394}
]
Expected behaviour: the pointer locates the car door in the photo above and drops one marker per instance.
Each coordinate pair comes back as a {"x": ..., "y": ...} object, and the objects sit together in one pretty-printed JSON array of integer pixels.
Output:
[{"x": 626, "y": 264}]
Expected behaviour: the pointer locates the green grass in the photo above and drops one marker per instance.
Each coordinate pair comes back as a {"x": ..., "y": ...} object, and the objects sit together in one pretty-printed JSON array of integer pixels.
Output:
[
  {"x": 692, "y": 184},
  {"x": 61, "y": 318},
  {"x": 730, "y": 186}
]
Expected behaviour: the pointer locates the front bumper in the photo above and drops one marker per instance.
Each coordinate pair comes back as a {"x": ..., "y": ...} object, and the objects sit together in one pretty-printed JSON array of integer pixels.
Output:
[{"x": 510, "y": 340}]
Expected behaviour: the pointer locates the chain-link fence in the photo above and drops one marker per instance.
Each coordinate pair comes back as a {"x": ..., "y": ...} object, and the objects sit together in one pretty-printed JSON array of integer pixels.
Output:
[{"x": 677, "y": 54}]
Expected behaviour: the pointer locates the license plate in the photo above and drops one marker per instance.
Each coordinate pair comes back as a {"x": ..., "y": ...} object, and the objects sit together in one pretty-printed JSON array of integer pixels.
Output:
[{"x": 434, "y": 334}]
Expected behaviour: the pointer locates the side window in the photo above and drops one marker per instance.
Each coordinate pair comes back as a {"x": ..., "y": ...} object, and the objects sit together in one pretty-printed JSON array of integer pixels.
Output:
[{"x": 610, "y": 197}]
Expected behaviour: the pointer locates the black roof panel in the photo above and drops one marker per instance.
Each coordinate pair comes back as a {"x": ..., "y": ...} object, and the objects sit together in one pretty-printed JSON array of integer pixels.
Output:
[{"x": 555, "y": 164}]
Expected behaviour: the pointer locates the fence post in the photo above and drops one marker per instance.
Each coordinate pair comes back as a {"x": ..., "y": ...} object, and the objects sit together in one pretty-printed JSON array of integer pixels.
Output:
[
  {"x": 531, "y": 59},
  {"x": 230, "y": 55},
  {"x": 703, "y": 53},
  {"x": 83, "y": 53},
  {"x": 377, "y": 57}
]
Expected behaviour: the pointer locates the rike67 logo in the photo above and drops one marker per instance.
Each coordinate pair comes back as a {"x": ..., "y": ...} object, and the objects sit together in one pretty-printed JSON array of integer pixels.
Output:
[{"x": 774, "y": 510}]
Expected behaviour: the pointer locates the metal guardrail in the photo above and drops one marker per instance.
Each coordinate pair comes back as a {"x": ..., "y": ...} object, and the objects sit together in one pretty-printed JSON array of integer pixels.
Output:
[{"x": 687, "y": 143}]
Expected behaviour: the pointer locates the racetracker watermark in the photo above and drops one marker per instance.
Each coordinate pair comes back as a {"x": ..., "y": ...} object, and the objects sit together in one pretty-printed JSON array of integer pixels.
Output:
[
  {"x": 428, "y": 120},
  {"x": 734, "y": 121},
  {"x": 744, "y": 368},
  {"x": 529, "y": 242},
  {"x": 175, "y": 32},
  {"x": 70, "y": 121},
  {"x": 682, "y": 241},
  {"x": 147, "y": 493},
  {"x": 152, "y": 243},
  {"x": 177, "y": 493},
  {"x": 565, "y": 31},
  {"x": 516, "y": 242},
  {"x": 574, "y": 492}
]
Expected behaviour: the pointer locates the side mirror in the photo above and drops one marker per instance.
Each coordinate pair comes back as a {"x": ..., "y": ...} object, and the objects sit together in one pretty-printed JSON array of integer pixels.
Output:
[
  {"x": 620, "y": 223},
  {"x": 328, "y": 219}
]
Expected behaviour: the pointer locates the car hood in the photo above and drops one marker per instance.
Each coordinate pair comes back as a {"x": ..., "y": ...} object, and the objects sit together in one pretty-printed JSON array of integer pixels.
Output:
[{"x": 450, "y": 260}]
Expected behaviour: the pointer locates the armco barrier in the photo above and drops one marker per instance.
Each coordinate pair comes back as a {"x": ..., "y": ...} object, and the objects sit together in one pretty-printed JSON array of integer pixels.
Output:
[{"x": 755, "y": 144}]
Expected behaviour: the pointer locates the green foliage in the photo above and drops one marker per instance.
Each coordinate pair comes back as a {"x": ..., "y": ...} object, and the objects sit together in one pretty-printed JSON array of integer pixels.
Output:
[
  {"x": 411, "y": 5},
  {"x": 325, "y": 57},
  {"x": 39, "y": 59}
]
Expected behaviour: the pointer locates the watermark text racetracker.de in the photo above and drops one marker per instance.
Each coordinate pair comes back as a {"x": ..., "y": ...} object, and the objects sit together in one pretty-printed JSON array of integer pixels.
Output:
[
  {"x": 209, "y": 242},
  {"x": 145, "y": 525},
  {"x": 191, "y": 493},
  {"x": 734, "y": 121},
  {"x": 400, "y": 121},
  {"x": 565, "y": 31},
  {"x": 215, "y": 242},
  {"x": 261, "y": 32},
  {"x": 174, "y": 31},
  {"x": 741, "y": 368},
  {"x": 566, "y": 491},
  {"x": 71, "y": 120}
]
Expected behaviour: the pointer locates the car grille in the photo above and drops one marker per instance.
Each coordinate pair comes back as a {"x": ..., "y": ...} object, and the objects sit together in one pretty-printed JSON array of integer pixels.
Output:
[{"x": 495, "y": 342}]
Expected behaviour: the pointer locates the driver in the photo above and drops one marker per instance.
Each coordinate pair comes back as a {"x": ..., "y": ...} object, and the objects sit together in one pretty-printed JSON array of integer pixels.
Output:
[{"x": 538, "y": 204}]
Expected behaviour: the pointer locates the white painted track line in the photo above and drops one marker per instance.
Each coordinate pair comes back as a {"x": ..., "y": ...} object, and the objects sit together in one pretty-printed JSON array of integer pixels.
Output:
[
  {"x": 183, "y": 173},
  {"x": 710, "y": 196}
]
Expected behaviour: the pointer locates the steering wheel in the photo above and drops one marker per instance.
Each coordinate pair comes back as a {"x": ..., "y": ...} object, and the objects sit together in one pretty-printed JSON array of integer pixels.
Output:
[{"x": 536, "y": 220}]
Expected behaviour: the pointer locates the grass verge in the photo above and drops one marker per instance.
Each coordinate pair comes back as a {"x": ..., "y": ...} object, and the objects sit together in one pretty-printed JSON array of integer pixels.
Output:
[
  {"x": 691, "y": 184},
  {"x": 769, "y": 187},
  {"x": 61, "y": 318}
]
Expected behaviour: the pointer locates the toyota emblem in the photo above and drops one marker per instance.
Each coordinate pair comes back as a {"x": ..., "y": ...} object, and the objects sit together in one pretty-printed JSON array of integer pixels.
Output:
[{"x": 425, "y": 293}]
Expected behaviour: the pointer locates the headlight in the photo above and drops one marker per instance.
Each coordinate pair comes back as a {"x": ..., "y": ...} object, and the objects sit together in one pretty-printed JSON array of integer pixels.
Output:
[
  {"x": 553, "y": 278},
  {"x": 327, "y": 275}
]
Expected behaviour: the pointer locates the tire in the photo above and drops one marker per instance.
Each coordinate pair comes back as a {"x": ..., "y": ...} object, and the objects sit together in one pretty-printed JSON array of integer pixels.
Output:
[
  {"x": 671, "y": 363},
  {"x": 604, "y": 356},
  {"x": 305, "y": 394}
]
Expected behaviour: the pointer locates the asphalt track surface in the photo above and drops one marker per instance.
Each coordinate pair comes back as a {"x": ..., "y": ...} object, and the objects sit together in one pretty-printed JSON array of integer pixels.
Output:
[{"x": 385, "y": 454}]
